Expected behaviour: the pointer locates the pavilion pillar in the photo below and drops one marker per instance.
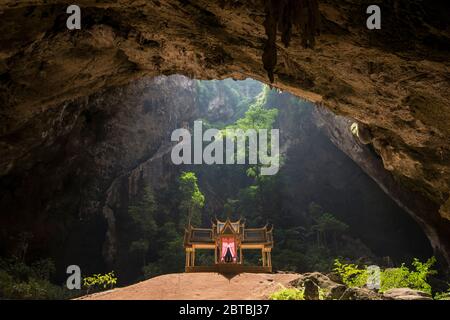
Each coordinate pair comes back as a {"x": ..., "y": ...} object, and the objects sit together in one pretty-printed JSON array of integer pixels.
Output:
[
  {"x": 193, "y": 258},
  {"x": 240, "y": 254},
  {"x": 215, "y": 254},
  {"x": 187, "y": 259}
]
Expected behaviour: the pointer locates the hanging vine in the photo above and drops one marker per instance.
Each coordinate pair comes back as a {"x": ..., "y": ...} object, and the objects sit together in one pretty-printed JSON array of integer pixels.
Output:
[{"x": 283, "y": 16}]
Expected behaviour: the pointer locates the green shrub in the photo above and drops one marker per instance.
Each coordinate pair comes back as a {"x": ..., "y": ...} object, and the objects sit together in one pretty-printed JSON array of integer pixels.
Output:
[
  {"x": 350, "y": 274},
  {"x": 323, "y": 293},
  {"x": 43, "y": 269},
  {"x": 442, "y": 295},
  {"x": 100, "y": 281},
  {"x": 37, "y": 289},
  {"x": 288, "y": 294},
  {"x": 33, "y": 289},
  {"x": 7, "y": 282},
  {"x": 401, "y": 277},
  {"x": 151, "y": 270},
  {"x": 394, "y": 278},
  {"x": 21, "y": 281},
  {"x": 17, "y": 269}
]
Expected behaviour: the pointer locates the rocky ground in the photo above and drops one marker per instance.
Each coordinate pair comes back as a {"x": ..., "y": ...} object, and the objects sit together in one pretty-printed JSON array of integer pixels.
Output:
[
  {"x": 246, "y": 286},
  {"x": 333, "y": 289},
  {"x": 201, "y": 286}
]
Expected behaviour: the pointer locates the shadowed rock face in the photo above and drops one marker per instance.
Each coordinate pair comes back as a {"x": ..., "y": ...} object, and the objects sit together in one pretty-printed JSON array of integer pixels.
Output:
[
  {"x": 394, "y": 82},
  {"x": 70, "y": 191}
]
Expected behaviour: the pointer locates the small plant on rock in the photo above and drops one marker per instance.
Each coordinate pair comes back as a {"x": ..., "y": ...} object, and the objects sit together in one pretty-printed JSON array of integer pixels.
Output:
[
  {"x": 100, "y": 281},
  {"x": 351, "y": 274},
  {"x": 288, "y": 294},
  {"x": 442, "y": 295}
]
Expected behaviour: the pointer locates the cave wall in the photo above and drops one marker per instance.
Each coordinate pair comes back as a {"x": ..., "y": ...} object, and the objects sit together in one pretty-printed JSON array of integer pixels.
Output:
[
  {"x": 394, "y": 81},
  {"x": 339, "y": 130},
  {"x": 89, "y": 162},
  {"x": 319, "y": 170}
]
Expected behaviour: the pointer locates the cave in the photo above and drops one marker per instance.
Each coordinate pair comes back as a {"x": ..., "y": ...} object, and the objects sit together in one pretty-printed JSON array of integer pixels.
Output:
[{"x": 87, "y": 116}]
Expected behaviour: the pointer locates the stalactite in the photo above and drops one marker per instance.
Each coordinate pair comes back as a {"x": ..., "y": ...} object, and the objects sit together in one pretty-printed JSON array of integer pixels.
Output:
[{"x": 283, "y": 16}]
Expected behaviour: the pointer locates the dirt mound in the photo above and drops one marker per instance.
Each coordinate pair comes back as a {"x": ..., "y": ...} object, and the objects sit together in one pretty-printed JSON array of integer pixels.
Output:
[{"x": 200, "y": 286}]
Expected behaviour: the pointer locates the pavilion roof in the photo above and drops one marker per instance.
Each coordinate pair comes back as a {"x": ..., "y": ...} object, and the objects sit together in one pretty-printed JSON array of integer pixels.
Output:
[{"x": 195, "y": 235}]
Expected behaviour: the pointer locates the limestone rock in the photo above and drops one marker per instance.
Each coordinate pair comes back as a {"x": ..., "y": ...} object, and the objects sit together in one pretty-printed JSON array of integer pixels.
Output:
[
  {"x": 406, "y": 294},
  {"x": 331, "y": 289},
  {"x": 311, "y": 290},
  {"x": 360, "y": 294}
]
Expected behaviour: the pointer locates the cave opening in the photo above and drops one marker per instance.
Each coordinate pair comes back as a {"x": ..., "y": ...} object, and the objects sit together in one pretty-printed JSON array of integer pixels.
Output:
[
  {"x": 116, "y": 198},
  {"x": 322, "y": 204}
]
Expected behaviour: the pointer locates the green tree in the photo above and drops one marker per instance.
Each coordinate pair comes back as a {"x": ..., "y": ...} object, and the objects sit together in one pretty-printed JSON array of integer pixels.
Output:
[
  {"x": 257, "y": 117},
  {"x": 145, "y": 227},
  {"x": 192, "y": 200},
  {"x": 171, "y": 254},
  {"x": 143, "y": 213},
  {"x": 328, "y": 227}
]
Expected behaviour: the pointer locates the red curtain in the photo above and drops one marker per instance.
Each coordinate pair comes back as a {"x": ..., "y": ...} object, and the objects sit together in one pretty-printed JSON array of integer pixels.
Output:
[{"x": 228, "y": 243}]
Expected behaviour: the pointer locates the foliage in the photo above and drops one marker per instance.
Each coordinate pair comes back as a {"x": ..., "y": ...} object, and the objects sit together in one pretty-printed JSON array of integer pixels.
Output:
[
  {"x": 256, "y": 117},
  {"x": 442, "y": 295},
  {"x": 171, "y": 257},
  {"x": 192, "y": 200},
  {"x": 288, "y": 294},
  {"x": 143, "y": 213},
  {"x": 323, "y": 293},
  {"x": 157, "y": 224},
  {"x": 351, "y": 274},
  {"x": 295, "y": 294},
  {"x": 35, "y": 289},
  {"x": 40, "y": 269},
  {"x": 100, "y": 281},
  {"x": 288, "y": 260},
  {"x": 423, "y": 270},
  {"x": 43, "y": 268},
  {"x": 237, "y": 95},
  {"x": 327, "y": 225},
  {"x": 139, "y": 247},
  {"x": 402, "y": 277},
  {"x": 313, "y": 245},
  {"x": 21, "y": 281},
  {"x": 151, "y": 270}
]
